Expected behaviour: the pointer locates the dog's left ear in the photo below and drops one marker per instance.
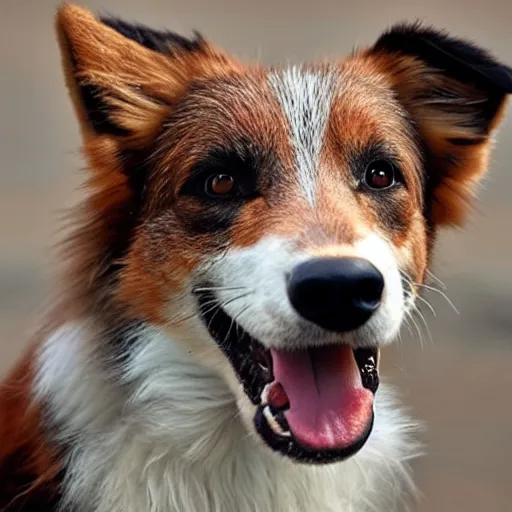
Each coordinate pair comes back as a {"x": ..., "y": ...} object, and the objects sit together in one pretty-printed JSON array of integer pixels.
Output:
[{"x": 454, "y": 93}]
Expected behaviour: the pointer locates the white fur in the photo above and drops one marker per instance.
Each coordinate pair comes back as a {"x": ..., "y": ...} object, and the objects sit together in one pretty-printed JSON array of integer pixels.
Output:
[
  {"x": 305, "y": 97},
  {"x": 169, "y": 439},
  {"x": 262, "y": 307},
  {"x": 384, "y": 325}
]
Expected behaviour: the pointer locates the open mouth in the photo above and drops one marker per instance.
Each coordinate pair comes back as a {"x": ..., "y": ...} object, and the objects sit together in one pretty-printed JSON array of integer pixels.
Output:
[{"x": 314, "y": 404}]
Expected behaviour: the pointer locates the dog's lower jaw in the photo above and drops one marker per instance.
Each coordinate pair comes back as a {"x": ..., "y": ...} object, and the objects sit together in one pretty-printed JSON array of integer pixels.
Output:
[{"x": 166, "y": 436}]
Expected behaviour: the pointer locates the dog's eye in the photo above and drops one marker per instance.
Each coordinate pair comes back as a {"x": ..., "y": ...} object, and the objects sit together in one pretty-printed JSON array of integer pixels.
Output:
[
  {"x": 219, "y": 185},
  {"x": 380, "y": 174}
]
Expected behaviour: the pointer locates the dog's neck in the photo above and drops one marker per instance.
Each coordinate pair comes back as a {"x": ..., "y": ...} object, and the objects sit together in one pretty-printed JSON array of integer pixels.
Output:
[{"x": 164, "y": 435}]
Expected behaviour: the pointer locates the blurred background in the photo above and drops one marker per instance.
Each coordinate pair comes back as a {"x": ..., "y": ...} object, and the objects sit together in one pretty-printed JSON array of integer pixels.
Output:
[{"x": 457, "y": 380}]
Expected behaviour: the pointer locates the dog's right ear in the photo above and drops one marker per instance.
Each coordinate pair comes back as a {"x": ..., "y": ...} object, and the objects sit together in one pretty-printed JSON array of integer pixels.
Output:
[{"x": 124, "y": 78}]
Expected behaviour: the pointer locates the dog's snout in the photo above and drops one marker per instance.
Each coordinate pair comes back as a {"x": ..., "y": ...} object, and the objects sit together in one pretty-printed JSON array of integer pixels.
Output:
[{"x": 338, "y": 294}]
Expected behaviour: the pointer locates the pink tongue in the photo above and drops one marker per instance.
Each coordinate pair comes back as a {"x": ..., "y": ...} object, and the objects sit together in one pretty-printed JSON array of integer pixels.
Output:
[{"x": 329, "y": 408}]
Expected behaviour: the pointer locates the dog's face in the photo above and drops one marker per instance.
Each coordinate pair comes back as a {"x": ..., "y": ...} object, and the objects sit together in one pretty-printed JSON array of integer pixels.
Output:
[{"x": 277, "y": 221}]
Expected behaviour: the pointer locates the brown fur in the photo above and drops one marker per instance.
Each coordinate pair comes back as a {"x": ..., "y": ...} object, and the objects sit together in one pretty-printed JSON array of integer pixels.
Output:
[
  {"x": 29, "y": 467},
  {"x": 146, "y": 238}
]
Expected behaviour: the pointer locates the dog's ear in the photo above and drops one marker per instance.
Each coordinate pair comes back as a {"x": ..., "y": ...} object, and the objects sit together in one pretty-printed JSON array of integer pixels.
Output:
[
  {"x": 454, "y": 93},
  {"x": 125, "y": 78}
]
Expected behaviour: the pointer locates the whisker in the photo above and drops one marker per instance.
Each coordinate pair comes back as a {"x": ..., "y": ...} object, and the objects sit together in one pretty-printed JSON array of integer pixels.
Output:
[
  {"x": 234, "y": 320},
  {"x": 425, "y": 301},
  {"x": 173, "y": 322},
  {"x": 409, "y": 296},
  {"x": 203, "y": 309},
  {"x": 240, "y": 313},
  {"x": 435, "y": 278},
  {"x": 417, "y": 327},
  {"x": 218, "y": 289},
  {"x": 416, "y": 310},
  {"x": 406, "y": 323},
  {"x": 224, "y": 304},
  {"x": 431, "y": 288},
  {"x": 407, "y": 281}
]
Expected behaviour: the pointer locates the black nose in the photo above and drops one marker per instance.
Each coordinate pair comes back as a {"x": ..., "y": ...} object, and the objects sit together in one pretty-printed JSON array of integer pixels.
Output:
[{"x": 338, "y": 294}]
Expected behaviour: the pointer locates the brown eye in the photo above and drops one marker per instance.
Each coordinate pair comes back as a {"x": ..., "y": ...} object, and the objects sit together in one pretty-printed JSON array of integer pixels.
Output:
[
  {"x": 220, "y": 185},
  {"x": 380, "y": 175}
]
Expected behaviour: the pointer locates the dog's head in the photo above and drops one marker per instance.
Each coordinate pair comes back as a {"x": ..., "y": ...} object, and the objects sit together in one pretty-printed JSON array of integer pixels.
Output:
[{"x": 276, "y": 221}]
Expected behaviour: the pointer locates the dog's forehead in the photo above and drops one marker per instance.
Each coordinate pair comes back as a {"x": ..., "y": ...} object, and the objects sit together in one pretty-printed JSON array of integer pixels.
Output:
[
  {"x": 309, "y": 118},
  {"x": 299, "y": 105},
  {"x": 305, "y": 96}
]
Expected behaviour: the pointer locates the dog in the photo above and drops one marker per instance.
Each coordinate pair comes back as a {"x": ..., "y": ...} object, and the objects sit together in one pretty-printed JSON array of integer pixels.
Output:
[{"x": 250, "y": 238}]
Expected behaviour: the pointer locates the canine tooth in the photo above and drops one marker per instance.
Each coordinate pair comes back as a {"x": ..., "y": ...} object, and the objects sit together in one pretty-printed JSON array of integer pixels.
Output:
[
  {"x": 265, "y": 392},
  {"x": 276, "y": 428},
  {"x": 273, "y": 423},
  {"x": 283, "y": 422}
]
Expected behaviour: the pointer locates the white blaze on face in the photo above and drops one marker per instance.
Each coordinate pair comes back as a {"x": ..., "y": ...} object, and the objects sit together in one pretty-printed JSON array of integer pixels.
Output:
[
  {"x": 305, "y": 97},
  {"x": 252, "y": 289}
]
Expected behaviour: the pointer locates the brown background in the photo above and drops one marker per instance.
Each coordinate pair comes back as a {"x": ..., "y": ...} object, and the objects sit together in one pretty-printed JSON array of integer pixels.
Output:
[{"x": 459, "y": 383}]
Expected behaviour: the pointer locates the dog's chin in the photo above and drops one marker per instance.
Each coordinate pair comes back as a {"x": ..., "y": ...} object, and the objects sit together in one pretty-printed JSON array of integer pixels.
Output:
[{"x": 313, "y": 405}]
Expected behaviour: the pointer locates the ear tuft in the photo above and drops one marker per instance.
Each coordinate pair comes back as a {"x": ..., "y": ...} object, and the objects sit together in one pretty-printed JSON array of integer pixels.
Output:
[
  {"x": 456, "y": 57},
  {"x": 124, "y": 78},
  {"x": 161, "y": 41}
]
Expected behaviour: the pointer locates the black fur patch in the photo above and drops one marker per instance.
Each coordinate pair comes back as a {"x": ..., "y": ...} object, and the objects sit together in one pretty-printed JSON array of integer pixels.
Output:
[
  {"x": 161, "y": 41},
  {"x": 457, "y": 58},
  {"x": 243, "y": 163},
  {"x": 210, "y": 218},
  {"x": 169, "y": 43},
  {"x": 388, "y": 203},
  {"x": 15, "y": 479},
  {"x": 247, "y": 163},
  {"x": 135, "y": 166},
  {"x": 97, "y": 112},
  {"x": 120, "y": 342}
]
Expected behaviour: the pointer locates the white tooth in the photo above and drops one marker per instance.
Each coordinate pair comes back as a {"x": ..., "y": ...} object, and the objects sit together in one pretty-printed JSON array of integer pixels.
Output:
[
  {"x": 276, "y": 428},
  {"x": 264, "y": 368},
  {"x": 286, "y": 433},
  {"x": 265, "y": 392}
]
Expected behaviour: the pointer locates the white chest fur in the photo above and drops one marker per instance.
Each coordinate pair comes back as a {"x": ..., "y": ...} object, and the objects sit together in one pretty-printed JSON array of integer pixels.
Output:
[{"x": 168, "y": 439}]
